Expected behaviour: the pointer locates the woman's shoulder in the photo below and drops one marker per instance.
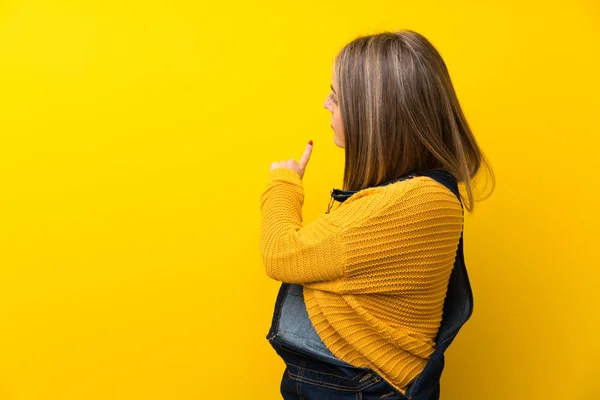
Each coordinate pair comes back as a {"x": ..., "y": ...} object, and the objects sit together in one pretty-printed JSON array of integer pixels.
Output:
[
  {"x": 423, "y": 193},
  {"x": 400, "y": 191},
  {"x": 416, "y": 197},
  {"x": 427, "y": 187}
]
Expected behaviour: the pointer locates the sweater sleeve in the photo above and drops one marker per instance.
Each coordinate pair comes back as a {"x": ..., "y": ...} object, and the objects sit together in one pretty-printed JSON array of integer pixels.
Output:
[
  {"x": 291, "y": 252},
  {"x": 389, "y": 240}
]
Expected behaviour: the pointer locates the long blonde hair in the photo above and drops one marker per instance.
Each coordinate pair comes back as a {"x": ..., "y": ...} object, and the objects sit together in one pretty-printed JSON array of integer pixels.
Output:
[{"x": 400, "y": 113}]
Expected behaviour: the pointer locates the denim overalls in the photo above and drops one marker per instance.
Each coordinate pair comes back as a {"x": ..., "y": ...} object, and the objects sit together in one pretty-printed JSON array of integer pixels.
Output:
[{"x": 313, "y": 372}]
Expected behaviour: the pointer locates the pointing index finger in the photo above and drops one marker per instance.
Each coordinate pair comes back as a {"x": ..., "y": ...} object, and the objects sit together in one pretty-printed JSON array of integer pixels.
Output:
[{"x": 306, "y": 155}]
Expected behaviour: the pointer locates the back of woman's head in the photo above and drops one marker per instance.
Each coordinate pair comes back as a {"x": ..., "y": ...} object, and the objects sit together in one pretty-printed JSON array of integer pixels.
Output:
[{"x": 400, "y": 113}]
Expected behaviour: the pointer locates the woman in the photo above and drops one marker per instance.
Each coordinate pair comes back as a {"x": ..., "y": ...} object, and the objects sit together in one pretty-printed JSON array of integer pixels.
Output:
[{"x": 365, "y": 286}]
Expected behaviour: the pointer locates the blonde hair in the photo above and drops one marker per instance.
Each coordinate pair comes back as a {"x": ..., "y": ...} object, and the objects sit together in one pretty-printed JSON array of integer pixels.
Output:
[{"x": 400, "y": 113}]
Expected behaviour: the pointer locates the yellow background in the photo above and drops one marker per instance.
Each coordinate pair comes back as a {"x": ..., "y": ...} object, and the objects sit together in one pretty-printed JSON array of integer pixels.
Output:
[{"x": 136, "y": 138}]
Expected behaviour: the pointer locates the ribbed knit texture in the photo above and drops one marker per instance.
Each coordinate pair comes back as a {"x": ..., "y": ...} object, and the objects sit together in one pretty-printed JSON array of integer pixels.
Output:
[{"x": 375, "y": 269}]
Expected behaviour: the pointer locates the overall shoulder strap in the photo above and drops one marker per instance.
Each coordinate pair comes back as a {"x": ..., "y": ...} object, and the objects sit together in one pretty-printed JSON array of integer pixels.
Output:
[{"x": 458, "y": 307}]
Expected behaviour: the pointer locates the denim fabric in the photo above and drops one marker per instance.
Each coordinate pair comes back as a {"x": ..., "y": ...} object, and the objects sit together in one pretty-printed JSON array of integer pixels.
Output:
[
  {"x": 296, "y": 330},
  {"x": 313, "y": 372},
  {"x": 307, "y": 378}
]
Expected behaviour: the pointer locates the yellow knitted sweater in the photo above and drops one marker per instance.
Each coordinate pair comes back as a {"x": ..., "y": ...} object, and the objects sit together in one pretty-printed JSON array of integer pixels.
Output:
[{"x": 374, "y": 270}]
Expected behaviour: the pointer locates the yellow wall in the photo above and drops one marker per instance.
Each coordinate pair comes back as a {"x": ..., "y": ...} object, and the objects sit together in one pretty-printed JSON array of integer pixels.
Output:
[{"x": 136, "y": 138}]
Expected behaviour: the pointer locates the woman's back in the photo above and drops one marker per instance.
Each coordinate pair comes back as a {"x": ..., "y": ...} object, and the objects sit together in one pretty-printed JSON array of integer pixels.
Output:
[{"x": 375, "y": 270}]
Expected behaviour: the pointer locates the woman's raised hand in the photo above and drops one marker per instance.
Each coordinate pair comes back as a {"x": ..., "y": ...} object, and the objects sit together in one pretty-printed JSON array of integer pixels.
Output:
[{"x": 298, "y": 167}]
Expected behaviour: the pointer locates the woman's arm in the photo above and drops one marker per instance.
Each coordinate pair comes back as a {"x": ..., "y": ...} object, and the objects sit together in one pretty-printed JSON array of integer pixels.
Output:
[
  {"x": 395, "y": 239},
  {"x": 291, "y": 252}
]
